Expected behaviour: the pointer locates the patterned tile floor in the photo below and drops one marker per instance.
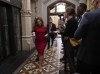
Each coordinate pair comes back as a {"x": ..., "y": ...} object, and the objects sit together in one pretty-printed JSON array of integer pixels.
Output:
[{"x": 51, "y": 63}]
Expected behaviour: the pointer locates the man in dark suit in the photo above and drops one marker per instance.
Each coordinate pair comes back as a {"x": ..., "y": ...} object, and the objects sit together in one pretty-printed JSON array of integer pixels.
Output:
[
  {"x": 51, "y": 35},
  {"x": 88, "y": 57},
  {"x": 81, "y": 10}
]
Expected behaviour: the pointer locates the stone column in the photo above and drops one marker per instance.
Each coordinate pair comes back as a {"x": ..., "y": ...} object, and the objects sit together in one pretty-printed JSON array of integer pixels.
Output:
[
  {"x": 89, "y": 5},
  {"x": 27, "y": 38},
  {"x": 82, "y": 1}
]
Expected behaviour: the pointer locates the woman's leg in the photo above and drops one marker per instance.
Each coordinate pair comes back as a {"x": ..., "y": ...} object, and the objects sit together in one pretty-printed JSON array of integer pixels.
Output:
[
  {"x": 41, "y": 53},
  {"x": 40, "y": 61}
]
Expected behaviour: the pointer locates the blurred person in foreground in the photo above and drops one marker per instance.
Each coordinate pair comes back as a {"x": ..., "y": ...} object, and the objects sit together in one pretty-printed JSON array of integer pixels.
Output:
[
  {"x": 88, "y": 56},
  {"x": 70, "y": 27},
  {"x": 81, "y": 10}
]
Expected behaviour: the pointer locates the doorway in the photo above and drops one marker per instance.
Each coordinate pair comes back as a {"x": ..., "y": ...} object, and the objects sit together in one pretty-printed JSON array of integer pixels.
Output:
[
  {"x": 57, "y": 9},
  {"x": 4, "y": 34},
  {"x": 55, "y": 19}
]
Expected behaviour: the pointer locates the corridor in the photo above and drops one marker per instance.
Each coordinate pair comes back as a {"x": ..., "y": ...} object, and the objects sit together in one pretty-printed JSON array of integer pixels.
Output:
[
  {"x": 26, "y": 26},
  {"x": 51, "y": 63}
]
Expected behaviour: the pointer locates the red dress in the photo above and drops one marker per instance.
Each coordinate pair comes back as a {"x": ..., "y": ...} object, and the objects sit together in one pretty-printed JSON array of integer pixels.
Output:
[{"x": 40, "y": 39}]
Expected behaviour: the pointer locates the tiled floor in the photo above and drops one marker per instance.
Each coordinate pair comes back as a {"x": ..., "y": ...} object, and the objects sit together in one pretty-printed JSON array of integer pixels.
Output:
[{"x": 51, "y": 63}]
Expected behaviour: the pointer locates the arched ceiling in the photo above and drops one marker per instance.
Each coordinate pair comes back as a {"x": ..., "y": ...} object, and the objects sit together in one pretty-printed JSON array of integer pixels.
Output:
[{"x": 46, "y": 1}]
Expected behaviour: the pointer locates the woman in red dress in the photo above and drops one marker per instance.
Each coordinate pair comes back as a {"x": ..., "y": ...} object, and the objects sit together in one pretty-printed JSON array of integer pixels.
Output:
[{"x": 40, "y": 39}]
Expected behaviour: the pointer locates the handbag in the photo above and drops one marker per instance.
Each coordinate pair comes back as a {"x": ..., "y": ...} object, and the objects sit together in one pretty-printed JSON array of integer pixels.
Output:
[{"x": 74, "y": 42}]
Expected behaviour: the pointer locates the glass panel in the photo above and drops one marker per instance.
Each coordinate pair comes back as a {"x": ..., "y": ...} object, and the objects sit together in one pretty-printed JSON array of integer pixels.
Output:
[
  {"x": 4, "y": 36},
  {"x": 61, "y": 7},
  {"x": 52, "y": 10},
  {"x": 6, "y": 33},
  {"x": 1, "y": 56},
  {"x": 62, "y": 17},
  {"x": 55, "y": 19},
  {"x": 17, "y": 28}
]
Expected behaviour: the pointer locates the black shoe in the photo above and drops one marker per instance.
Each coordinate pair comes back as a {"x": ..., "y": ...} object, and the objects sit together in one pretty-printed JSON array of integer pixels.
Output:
[
  {"x": 48, "y": 47},
  {"x": 37, "y": 59},
  {"x": 62, "y": 52},
  {"x": 62, "y": 59},
  {"x": 51, "y": 45}
]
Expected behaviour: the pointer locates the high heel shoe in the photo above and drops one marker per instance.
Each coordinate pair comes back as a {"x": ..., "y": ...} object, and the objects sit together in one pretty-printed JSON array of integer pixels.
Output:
[{"x": 41, "y": 71}]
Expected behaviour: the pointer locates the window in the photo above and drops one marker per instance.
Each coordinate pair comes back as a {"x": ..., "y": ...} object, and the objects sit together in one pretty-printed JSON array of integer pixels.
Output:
[
  {"x": 58, "y": 8},
  {"x": 61, "y": 7},
  {"x": 52, "y": 10}
]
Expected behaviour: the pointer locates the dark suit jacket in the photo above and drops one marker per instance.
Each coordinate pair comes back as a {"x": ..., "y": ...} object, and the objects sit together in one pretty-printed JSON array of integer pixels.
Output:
[
  {"x": 89, "y": 31},
  {"x": 53, "y": 28}
]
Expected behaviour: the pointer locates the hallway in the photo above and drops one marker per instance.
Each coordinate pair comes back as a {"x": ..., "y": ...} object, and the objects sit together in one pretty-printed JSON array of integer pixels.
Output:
[
  {"x": 51, "y": 63},
  {"x": 18, "y": 19}
]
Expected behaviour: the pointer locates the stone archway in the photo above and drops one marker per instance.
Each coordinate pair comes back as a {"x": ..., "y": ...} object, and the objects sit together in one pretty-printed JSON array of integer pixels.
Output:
[
  {"x": 46, "y": 3},
  {"x": 56, "y": 14}
]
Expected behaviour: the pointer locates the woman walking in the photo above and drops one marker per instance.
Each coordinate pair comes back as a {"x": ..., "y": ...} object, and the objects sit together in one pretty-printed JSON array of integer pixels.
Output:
[{"x": 40, "y": 39}]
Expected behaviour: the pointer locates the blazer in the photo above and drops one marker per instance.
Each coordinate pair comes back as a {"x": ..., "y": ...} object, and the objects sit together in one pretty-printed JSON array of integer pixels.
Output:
[
  {"x": 89, "y": 31},
  {"x": 53, "y": 28}
]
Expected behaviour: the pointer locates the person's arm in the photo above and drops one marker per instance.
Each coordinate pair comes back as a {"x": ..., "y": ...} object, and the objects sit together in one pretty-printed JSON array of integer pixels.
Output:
[
  {"x": 71, "y": 26},
  {"x": 33, "y": 33},
  {"x": 54, "y": 28},
  {"x": 46, "y": 32},
  {"x": 68, "y": 29},
  {"x": 82, "y": 29}
]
